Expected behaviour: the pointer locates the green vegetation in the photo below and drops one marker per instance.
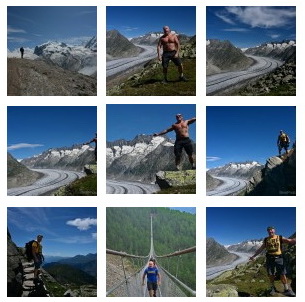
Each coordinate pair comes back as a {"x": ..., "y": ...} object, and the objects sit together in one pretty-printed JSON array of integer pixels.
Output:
[
  {"x": 128, "y": 229},
  {"x": 189, "y": 189},
  {"x": 86, "y": 186},
  {"x": 281, "y": 90},
  {"x": 150, "y": 82}
]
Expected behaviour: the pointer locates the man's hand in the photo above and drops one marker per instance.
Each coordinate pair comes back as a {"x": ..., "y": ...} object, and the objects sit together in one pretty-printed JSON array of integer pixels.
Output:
[
  {"x": 251, "y": 258},
  {"x": 159, "y": 283},
  {"x": 159, "y": 58},
  {"x": 155, "y": 134},
  {"x": 176, "y": 55}
]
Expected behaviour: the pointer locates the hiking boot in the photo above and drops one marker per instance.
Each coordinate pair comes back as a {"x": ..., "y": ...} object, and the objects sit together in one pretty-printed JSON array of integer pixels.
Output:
[
  {"x": 183, "y": 79},
  {"x": 273, "y": 291},
  {"x": 289, "y": 293},
  {"x": 165, "y": 81}
]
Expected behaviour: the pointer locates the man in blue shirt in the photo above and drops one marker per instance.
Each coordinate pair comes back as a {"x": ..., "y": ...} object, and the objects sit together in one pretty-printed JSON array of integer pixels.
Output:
[{"x": 153, "y": 278}]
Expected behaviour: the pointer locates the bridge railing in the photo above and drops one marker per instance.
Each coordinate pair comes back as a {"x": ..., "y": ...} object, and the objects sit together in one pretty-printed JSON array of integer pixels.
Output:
[
  {"x": 173, "y": 264},
  {"x": 124, "y": 278}
]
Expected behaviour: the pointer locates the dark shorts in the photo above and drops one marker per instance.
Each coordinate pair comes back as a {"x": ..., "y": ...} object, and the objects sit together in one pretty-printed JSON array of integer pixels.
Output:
[
  {"x": 37, "y": 264},
  {"x": 170, "y": 56},
  {"x": 152, "y": 285},
  {"x": 275, "y": 264},
  {"x": 184, "y": 143}
]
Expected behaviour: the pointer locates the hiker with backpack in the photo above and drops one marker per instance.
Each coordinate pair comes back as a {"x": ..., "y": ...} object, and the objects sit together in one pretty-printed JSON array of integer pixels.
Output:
[
  {"x": 22, "y": 52},
  {"x": 34, "y": 252},
  {"x": 153, "y": 278},
  {"x": 283, "y": 141},
  {"x": 274, "y": 259}
]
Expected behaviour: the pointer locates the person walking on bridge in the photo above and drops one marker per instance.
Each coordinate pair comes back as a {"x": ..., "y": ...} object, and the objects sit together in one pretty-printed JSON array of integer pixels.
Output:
[
  {"x": 274, "y": 259},
  {"x": 181, "y": 127},
  {"x": 153, "y": 278},
  {"x": 94, "y": 140},
  {"x": 283, "y": 141},
  {"x": 171, "y": 48}
]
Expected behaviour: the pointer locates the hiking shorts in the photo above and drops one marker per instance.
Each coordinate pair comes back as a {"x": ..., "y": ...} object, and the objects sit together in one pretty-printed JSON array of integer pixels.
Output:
[
  {"x": 37, "y": 264},
  {"x": 275, "y": 264},
  {"x": 170, "y": 56},
  {"x": 152, "y": 285},
  {"x": 183, "y": 143}
]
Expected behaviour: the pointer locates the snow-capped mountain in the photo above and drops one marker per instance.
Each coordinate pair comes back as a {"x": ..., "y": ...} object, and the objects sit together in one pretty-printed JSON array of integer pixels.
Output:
[
  {"x": 239, "y": 170},
  {"x": 140, "y": 158},
  {"x": 92, "y": 44},
  {"x": 152, "y": 38},
  {"x": 248, "y": 246},
  {"x": 66, "y": 158},
  {"x": 75, "y": 58},
  {"x": 285, "y": 50}
]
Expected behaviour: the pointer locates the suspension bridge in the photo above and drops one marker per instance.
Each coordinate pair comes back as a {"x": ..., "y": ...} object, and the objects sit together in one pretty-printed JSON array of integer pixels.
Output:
[{"x": 130, "y": 284}]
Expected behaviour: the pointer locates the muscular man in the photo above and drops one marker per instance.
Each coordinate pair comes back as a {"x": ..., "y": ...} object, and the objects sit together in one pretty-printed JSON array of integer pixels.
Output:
[
  {"x": 171, "y": 47},
  {"x": 181, "y": 127},
  {"x": 94, "y": 140},
  {"x": 274, "y": 259}
]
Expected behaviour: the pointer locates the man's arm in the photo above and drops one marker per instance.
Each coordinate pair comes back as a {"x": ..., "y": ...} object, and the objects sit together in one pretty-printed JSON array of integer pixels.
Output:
[
  {"x": 159, "y": 50},
  {"x": 262, "y": 247},
  {"x": 143, "y": 278},
  {"x": 289, "y": 241},
  {"x": 159, "y": 278},
  {"x": 164, "y": 131},
  {"x": 191, "y": 121},
  {"x": 34, "y": 253},
  {"x": 177, "y": 43}
]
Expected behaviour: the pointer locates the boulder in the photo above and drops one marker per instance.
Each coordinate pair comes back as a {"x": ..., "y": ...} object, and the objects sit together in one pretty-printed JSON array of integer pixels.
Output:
[
  {"x": 167, "y": 179},
  {"x": 90, "y": 169},
  {"x": 221, "y": 290}
]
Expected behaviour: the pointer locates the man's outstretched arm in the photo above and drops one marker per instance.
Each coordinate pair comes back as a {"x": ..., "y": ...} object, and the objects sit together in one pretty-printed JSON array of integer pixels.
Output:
[
  {"x": 164, "y": 131},
  {"x": 262, "y": 247},
  {"x": 191, "y": 121},
  {"x": 291, "y": 241}
]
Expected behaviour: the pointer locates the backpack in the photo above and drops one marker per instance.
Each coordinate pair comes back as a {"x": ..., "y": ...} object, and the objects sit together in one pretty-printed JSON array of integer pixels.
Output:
[{"x": 29, "y": 250}]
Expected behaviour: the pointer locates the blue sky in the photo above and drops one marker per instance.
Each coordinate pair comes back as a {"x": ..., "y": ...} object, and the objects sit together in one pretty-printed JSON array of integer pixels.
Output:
[
  {"x": 133, "y": 21},
  {"x": 188, "y": 210},
  {"x": 233, "y": 224},
  {"x": 126, "y": 121},
  {"x": 242, "y": 133},
  {"x": 66, "y": 231},
  {"x": 249, "y": 26},
  {"x": 34, "y": 129},
  {"x": 29, "y": 26}
]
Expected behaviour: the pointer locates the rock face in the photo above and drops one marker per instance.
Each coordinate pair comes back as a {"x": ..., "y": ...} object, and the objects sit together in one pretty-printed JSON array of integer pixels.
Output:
[
  {"x": 216, "y": 254},
  {"x": 38, "y": 78},
  {"x": 118, "y": 46},
  {"x": 168, "y": 179},
  {"x": 248, "y": 246},
  {"x": 244, "y": 170},
  {"x": 285, "y": 51},
  {"x": 14, "y": 269},
  {"x": 211, "y": 182},
  {"x": 277, "y": 178},
  {"x": 82, "y": 59},
  {"x": 224, "y": 56},
  {"x": 19, "y": 175},
  {"x": 66, "y": 158},
  {"x": 141, "y": 158}
]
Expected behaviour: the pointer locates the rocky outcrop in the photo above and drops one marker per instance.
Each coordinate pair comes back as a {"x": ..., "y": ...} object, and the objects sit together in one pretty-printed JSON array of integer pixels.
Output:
[
  {"x": 211, "y": 182},
  {"x": 224, "y": 56},
  {"x": 221, "y": 290},
  {"x": 90, "y": 169},
  {"x": 217, "y": 254},
  {"x": 168, "y": 179},
  {"x": 277, "y": 178},
  {"x": 19, "y": 175}
]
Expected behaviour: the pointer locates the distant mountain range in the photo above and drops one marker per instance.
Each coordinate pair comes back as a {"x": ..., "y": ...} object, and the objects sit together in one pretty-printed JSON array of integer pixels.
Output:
[
  {"x": 217, "y": 254},
  {"x": 65, "y": 158},
  {"x": 244, "y": 170},
  {"x": 19, "y": 175},
  {"x": 247, "y": 246},
  {"x": 82, "y": 59},
  {"x": 140, "y": 158}
]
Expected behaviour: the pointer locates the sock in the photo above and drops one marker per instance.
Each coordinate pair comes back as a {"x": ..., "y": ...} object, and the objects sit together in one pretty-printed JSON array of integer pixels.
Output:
[{"x": 286, "y": 286}]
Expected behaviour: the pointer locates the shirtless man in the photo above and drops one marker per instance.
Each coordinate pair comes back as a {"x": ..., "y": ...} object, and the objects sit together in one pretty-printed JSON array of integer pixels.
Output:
[
  {"x": 171, "y": 48},
  {"x": 181, "y": 127}
]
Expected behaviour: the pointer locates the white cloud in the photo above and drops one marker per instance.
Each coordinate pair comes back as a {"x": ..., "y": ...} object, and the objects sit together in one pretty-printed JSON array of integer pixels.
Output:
[
  {"x": 82, "y": 224},
  {"x": 263, "y": 16},
  {"x": 213, "y": 158},
  {"x": 129, "y": 28},
  {"x": 274, "y": 36},
  {"x": 237, "y": 29},
  {"x": 224, "y": 18},
  {"x": 23, "y": 145},
  {"x": 11, "y": 30}
]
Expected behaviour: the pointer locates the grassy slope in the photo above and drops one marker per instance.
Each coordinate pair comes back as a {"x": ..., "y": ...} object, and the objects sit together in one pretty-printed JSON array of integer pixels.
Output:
[{"x": 150, "y": 83}]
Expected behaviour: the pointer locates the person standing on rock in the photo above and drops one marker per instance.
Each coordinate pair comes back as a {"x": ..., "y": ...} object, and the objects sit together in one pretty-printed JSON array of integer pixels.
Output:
[
  {"x": 274, "y": 259},
  {"x": 94, "y": 140},
  {"x": 181, "y": 127},
  {"x": 283, "y": 141},
  {"x": 153, "y": 278},
  {"x": 22, "y": 52},
  {"x": 171, "y": 48},
  {"x": 37, "y": 256}
]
